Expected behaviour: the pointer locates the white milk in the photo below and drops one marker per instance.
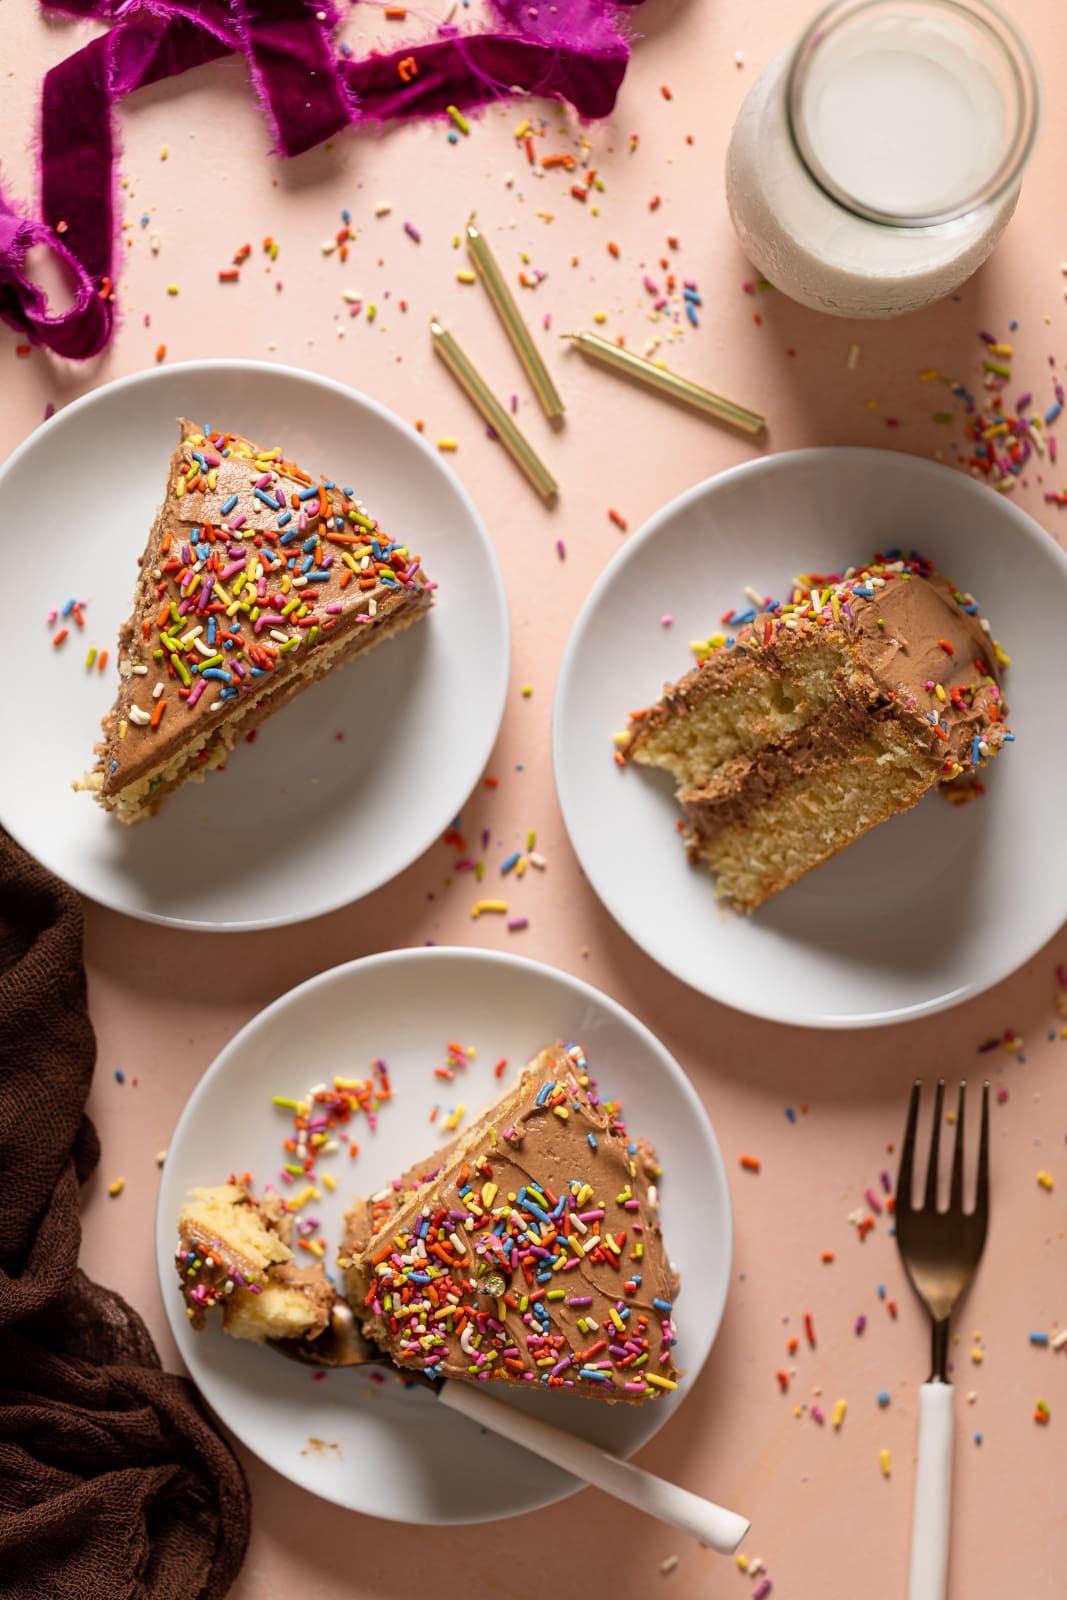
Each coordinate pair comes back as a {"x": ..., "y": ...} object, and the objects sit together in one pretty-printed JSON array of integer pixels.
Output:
[{"x": 901, "y": 163}]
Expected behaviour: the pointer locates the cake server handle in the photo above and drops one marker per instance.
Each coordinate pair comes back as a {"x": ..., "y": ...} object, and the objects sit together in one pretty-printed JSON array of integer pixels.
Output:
[{"x": 713, "y": 1525}]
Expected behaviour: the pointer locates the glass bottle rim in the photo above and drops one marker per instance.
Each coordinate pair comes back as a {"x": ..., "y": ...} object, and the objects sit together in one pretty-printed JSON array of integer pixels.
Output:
[{"x": 1023, "y": 69}]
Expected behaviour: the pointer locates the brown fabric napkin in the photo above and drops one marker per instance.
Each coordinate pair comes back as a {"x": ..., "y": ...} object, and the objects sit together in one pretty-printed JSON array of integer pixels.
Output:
[{"x": 113, "y": 1484}]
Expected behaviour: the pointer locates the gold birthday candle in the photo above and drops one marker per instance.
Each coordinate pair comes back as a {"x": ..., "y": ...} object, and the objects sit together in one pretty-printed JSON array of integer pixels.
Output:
[
  {"x": 665, "y": 382},
  {"x": 517, "y": 331},
  {"x": 492, "y": 412}
]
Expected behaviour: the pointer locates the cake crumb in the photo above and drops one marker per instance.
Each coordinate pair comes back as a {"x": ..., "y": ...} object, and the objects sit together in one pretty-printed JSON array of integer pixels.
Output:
[{"x": 322, "y": 1447}]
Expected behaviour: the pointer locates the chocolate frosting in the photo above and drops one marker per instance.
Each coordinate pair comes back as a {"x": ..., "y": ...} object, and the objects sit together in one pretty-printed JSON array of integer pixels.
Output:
[
  {"x": 367, "y": 1214},
  {"x": 535, "y": 1254}
]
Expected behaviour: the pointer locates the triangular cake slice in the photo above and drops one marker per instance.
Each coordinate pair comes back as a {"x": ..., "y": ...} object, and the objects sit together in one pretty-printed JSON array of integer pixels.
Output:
[
  {"x": 257, "y": 579},
  {"x": 534, "y": 1255},
  {"x": 234, "y": 1253}
]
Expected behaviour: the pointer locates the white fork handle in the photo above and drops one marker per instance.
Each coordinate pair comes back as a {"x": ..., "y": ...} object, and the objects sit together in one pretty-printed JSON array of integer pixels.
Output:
[
  {"x": 713, "y": 1525},
  {"x": 933, "y": 1494}
]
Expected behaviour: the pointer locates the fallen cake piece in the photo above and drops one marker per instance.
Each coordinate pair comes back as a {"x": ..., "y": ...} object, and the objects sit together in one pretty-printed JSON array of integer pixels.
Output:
[
  {"x": 533, "y": 1255},
  {"x": 256, "y": 581},
  {"x": 822, "y": 718},
  {"x": 233, "y": 1252}
]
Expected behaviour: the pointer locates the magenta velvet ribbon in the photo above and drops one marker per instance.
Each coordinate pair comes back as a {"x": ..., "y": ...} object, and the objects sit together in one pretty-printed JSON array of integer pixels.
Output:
[{"x": 573, "y": 50}]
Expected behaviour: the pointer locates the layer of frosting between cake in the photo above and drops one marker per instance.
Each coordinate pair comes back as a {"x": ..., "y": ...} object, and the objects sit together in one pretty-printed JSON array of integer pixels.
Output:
[{"x": 843, "y": 734}]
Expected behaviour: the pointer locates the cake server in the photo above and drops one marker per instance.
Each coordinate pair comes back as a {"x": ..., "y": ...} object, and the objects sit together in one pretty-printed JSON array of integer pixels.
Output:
[
  {"x": 343, "y": 1345},
  {"x": 940, "y": 1251}
]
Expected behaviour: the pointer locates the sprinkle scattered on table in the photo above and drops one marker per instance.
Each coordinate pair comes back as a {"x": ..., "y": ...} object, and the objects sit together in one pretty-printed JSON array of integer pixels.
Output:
[{"x": 481, "y": 906}]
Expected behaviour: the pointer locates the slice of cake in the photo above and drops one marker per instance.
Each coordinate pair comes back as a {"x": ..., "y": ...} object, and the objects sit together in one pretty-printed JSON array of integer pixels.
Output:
[
  {"x": 823, "y": 717},
  {"x": 533, "y": 1255},
  {"x": 257, "y": 579},
  {"x": 234, "y": 1252}
]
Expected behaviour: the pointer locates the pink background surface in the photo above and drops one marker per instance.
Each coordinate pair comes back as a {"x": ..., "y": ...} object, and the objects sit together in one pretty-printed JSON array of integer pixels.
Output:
[{"x": 825, "y": 1521}]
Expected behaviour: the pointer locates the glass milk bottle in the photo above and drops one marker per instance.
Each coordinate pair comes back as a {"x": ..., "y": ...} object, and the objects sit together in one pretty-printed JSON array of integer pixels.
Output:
[{"x": 876, "y": 162}]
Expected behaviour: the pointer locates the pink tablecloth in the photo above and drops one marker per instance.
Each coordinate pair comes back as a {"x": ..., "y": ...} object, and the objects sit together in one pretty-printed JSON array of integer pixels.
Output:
[{"x": 826, "y": 1521}]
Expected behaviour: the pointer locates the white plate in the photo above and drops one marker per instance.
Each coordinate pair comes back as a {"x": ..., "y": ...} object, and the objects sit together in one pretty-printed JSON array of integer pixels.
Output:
[
  {"x": 933, "y": 906},
  {"x": 399, "y": 1454},
  {"x": 339, "y": 816}
]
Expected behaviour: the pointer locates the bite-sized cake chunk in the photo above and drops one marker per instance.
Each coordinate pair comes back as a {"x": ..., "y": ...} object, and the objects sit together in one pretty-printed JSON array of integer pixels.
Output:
[
  {"x": 823, "y": 717},
  {"x": 533, "y": 1255},
  {"x": 234, "y": 1253},
  {"x": 257, "y": 579}
]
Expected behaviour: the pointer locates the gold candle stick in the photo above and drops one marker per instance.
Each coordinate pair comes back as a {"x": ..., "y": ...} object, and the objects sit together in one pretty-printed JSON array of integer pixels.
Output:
[
  {"x": 509, "y": 314},
  {"x": 489, "y": 407},
  {"x": 668, "y": 383}
]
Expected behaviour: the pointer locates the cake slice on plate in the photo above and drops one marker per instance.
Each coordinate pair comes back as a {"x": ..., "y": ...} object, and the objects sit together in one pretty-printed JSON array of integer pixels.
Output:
[
  {"x": 234, "y": 1253},
  {"x": 257, "y": 579},
  {"x": 823, "y": 717},
  {"x": 532, "y": 1256}
]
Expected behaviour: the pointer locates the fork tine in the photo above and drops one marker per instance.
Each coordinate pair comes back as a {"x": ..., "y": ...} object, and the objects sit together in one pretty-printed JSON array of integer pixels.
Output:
[
  {"x": 935, "y": 1148},
  {"x": 981, "y": 1194},
  {"x": 955, "y": 1194},
  {"x": 907, "y": 1150}
]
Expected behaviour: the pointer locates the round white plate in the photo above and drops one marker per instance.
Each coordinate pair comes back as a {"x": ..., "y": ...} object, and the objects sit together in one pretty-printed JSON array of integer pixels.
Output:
[
  {"x": 334, "y": 816},
  {"x": 931, "y": 907},
  {"x": 397, "y": 1453}
]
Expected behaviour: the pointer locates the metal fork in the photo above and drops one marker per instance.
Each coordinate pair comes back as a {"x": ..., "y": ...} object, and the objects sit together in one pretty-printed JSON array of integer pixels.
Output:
[{"x": 940, "y": 1251}]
